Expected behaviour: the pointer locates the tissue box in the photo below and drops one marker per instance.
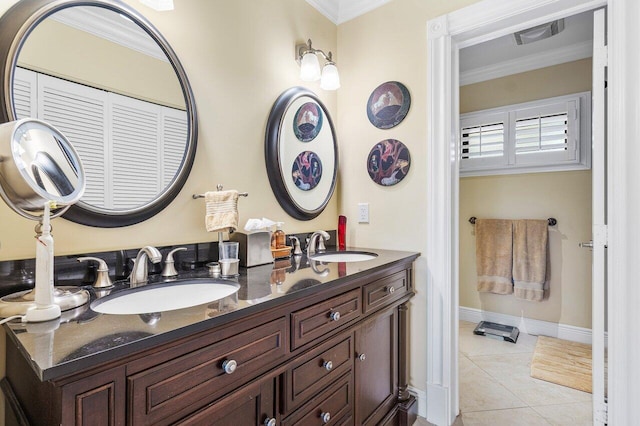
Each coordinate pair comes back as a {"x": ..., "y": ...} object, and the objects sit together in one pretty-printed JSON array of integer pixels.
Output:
[{"x": 254, "y": 248}]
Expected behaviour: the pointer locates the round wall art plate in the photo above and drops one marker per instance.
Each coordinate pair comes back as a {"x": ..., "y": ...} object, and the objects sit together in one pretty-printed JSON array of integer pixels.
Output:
[
  {"x": 388, "y": 105},
  {"x": 388, "y": 162},
  {"x": 306, "y": 170},
  {"x": 307, "y": 122}
]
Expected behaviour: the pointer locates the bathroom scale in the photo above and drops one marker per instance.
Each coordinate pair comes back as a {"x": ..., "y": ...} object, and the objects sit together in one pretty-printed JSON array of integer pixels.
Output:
[{"x": 493, "y": 329}]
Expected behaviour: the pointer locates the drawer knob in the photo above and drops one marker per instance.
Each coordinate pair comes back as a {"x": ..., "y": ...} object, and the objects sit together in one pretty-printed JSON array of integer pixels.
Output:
[
  {"x": 391, "y": 289},
  {"x": 325, "y": 417},
  {"x": 229, "y": 366},
  {"x": 270, "y": 422},
  {"x": 334, "y": 316},
  {"x": 362, "y": 357},
  {"x": 328, "y": 365}
]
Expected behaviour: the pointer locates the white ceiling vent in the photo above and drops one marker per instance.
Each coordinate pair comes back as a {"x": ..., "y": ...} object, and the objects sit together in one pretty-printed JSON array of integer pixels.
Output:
[{"x": 539, "y": 32}]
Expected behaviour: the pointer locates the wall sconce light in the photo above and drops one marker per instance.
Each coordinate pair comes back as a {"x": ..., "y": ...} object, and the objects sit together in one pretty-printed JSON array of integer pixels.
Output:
[{"x": 307, "y": 57}]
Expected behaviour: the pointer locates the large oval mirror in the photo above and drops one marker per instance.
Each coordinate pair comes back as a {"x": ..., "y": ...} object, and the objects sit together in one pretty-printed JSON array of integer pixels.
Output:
[
  {"x": 102, "y": 74},
  {"x": 301, "y": 153}
]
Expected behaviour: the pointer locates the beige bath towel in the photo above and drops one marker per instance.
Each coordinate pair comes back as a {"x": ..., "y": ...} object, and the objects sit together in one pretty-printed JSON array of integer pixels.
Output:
[
  {"x": 222, "y": 211},
  {"x": 529, "y": 258},
  {"x": 494, "y": 255}
]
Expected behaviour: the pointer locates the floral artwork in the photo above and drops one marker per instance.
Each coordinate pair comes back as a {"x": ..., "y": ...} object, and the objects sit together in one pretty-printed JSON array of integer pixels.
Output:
[
  {"x": 388, "y": 104},
  {"x": 307, "y": 170},
  {"x": 388, "y": 162},
  {"x": 307, "y": 122}
]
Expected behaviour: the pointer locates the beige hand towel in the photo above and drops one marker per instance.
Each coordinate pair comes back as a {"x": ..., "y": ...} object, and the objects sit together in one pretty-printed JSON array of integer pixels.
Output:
[
  {"x": 494, "y": 255},
  {"x": 530, "y": 258},
  {"x": 221, "y": 211}
]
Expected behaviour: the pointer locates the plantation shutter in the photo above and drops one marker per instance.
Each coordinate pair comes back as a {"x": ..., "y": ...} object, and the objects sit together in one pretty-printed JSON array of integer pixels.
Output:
[
  {"x": 483, "y": 141},
  {"x": 25, "y": 93},
  {"x": 174, "y": 134},
  {"x": 79, "y": 113}
]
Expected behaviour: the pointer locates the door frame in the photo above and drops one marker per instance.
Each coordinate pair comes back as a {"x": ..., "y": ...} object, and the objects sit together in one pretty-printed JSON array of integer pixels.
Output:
[{"x": 446, "y": 35}]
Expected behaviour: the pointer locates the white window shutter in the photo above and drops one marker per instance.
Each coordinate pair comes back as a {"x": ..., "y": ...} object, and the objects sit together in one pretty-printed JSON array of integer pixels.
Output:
[
  {"x": 79, "y": 113},
  {"x": 25, "y": 93},
  {"x": 136, "y": 153},
  {"x": 174, "y": 134}
]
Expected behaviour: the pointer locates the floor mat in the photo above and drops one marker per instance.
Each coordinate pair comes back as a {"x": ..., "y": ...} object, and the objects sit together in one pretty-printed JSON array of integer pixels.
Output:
[{"x": 562, "y": 362}]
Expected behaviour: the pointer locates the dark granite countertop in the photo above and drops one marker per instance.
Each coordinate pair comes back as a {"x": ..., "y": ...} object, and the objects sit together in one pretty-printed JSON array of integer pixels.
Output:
[{"x": 82, "y": 338}]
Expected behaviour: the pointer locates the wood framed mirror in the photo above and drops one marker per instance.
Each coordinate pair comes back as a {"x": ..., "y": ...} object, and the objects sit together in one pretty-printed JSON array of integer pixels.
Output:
[{"x": 102, "y": 74}]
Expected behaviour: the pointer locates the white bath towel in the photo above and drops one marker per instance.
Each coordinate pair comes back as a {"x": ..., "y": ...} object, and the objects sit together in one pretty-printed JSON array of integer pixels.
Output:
[
  {"x": 221, "y": 211},
  {"x": 529, "y": 258},
  {"x": 494, "y": 255}
]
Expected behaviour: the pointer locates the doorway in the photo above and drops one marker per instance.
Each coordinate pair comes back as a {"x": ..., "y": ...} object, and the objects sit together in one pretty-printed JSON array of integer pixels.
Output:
[{"x": 446, "y": 36}]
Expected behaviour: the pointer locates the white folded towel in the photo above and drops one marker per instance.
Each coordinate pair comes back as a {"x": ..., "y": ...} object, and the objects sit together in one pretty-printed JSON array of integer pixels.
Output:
[{"x": 221, "y": 211}]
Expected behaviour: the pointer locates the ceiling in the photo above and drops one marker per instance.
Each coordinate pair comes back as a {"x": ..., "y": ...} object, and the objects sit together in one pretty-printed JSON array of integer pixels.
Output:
[
  {"x": 502, "y": 56},
  {"x": 339, "y": 11}
]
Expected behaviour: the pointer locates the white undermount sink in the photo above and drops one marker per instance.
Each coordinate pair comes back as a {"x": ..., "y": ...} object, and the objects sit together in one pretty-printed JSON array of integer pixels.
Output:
[
  {"x": 165, "y": 296},
  {"x": 344, "y": 256}
]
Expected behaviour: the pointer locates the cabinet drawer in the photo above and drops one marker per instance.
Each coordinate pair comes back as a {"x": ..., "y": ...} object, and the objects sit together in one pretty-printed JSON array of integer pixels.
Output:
[
  {"x": 336, "y": 403},
  {"x": 313, "y": 371},
  {"x": 312, "y": 322},
  {"x": 385, "y": 290},
  {"x": 167, "y": 392}
]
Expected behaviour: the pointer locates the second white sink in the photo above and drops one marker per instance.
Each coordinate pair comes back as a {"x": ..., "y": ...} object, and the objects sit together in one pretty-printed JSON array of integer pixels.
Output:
[
  {"x": 344, "y": 256},
  {"x": 164, "y": 297}
]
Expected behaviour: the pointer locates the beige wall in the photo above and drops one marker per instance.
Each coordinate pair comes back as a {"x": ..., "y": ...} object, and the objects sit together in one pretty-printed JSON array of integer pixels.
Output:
[
  {"x": 565, "y": 196},
  {"x": 239, "y": 56},
  {"x": 389, "y": 43}
]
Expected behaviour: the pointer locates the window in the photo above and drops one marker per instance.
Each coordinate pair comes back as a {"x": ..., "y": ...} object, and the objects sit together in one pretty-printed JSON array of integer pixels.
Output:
[{"x": 547, "y": 135}]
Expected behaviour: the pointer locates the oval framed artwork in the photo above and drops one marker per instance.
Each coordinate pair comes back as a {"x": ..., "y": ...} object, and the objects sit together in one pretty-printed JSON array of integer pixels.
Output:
[
  {"x": 388, "y": 162},
  {"x": 388, "y": 104},
  {"x": 301, "y": 153}
]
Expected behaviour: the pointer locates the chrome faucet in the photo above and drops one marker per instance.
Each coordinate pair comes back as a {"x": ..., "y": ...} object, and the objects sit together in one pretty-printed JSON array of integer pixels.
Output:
[
  {"x": 139, "y": 271},
  {"x": 311, "y": 247}
]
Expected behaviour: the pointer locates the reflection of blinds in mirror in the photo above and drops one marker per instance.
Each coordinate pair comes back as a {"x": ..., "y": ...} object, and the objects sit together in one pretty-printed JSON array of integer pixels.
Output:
[
  {"x": 118, "y": 138},
  {"x": 175, "y": 133},
  {"x": 24, "y": 93},
  {"x": 135, "y": 138},
  {"x": 79, "y": 114}
]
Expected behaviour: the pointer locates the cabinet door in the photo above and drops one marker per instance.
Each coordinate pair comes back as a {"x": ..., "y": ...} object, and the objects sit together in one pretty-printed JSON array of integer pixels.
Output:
[
  {"x": 376, "y": 367},
  {"x": 254, "y": 404},
  {"x": 95, "y": 401}
]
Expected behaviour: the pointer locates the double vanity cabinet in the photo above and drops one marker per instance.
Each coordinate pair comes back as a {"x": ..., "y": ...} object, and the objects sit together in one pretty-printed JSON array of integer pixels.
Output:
[{"x": 328, "y": 345}]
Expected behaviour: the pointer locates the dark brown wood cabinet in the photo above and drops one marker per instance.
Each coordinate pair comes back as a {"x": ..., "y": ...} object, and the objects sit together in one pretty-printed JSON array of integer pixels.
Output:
[{"x": 332, "y": 357}]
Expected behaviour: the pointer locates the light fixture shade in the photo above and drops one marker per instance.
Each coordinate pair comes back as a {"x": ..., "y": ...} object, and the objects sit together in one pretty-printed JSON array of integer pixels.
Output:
[
  {"x": 330, "y": 77},
  {"x": 159, "y": 5},
  {"x": 310, "y": 67}
]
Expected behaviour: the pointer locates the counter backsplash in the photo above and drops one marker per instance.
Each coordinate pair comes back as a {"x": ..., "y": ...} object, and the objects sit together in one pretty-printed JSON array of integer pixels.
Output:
[{"x": 18, "y": 275}]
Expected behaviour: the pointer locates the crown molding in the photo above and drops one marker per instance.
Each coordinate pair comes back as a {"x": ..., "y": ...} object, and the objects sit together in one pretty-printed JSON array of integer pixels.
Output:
[
  {"x": 528, "y": 63},
  {"x": 120, "y": 30},
  {"x": 340, "y": 11}
]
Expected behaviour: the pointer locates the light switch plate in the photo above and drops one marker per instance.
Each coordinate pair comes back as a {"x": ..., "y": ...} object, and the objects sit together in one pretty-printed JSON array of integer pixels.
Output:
[{"x": 363, "y": 212}]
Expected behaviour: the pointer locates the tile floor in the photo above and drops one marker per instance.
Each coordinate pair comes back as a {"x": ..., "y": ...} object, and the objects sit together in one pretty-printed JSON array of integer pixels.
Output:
[{"x": 496, "y": 388}]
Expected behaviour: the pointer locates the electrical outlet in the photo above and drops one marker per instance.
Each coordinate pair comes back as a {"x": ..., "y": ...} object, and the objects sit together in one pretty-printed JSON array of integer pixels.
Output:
[{"x": 363, "y": 212}]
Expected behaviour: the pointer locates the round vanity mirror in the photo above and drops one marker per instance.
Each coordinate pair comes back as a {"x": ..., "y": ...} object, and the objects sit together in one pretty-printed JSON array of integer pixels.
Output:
[
  {"x": 38, "y": 165},
  {"x": 301, "y": 153},
  {"x": 105, "y": 77}
]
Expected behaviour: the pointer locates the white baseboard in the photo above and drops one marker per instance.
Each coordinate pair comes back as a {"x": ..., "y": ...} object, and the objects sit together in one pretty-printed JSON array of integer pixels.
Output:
[
  {"x": 421, "y": 397},
  {"x": 529, "y": 326}
]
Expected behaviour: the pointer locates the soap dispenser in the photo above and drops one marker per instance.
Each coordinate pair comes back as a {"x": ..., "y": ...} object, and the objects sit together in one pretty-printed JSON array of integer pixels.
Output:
[{"x": 278, "y": 237}]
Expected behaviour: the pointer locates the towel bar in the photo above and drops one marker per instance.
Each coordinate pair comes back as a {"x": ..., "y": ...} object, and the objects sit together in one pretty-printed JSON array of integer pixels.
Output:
[
  {"x": 219, "y": 188},
  {"x": 552, "y": 221}
]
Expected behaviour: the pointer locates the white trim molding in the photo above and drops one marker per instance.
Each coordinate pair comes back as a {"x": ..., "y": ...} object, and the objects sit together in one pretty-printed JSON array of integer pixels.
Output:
[
  {"x": 340, "y": 11},
  {"x": 446, "y": 35},
  {"x": 549, "y": 58},
  {"x": 421, "y": 397},
  {"x": 528, "y": 325}
]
